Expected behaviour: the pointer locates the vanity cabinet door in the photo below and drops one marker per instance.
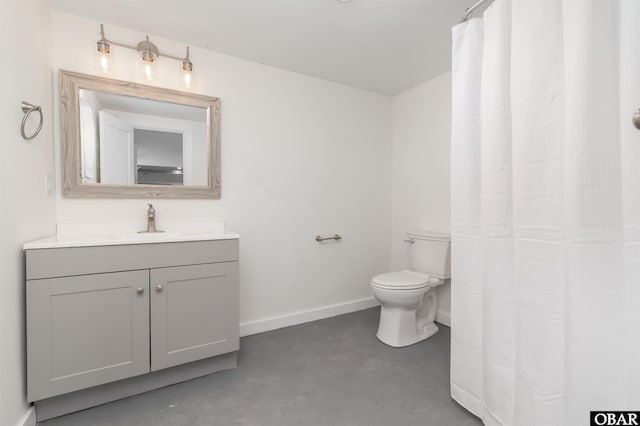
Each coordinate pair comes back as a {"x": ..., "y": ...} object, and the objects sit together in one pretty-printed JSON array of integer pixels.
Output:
[
  {"x": 86, "y": 330},
  {"x": 194, "y": 313}
]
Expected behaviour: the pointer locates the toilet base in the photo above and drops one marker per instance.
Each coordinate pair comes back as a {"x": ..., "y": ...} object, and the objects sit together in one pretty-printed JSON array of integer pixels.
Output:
[
  {"x": 427, "y": 331},
  {"x": 398, "y": 328}
]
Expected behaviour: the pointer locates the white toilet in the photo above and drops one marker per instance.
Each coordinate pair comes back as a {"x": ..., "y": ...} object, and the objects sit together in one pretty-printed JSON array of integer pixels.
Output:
[{"x": 408, "y": 298}]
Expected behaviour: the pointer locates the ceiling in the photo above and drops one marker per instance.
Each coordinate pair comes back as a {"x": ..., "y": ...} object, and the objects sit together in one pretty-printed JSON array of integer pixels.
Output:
[{"x": 385, "y": 46}]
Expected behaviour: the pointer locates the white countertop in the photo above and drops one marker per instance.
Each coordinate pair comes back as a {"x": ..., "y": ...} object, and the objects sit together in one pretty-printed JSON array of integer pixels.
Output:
[{"x": 86, "y": 235}]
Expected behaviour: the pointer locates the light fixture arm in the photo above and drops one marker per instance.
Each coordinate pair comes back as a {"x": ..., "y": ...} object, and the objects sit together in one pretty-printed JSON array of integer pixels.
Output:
[
  {"x": 103, "y": 43},
  {"x": 140, "y": 46}
]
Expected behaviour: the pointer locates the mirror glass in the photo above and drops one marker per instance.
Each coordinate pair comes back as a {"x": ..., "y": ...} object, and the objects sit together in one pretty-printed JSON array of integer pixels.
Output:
[
  {"x": 121, "y": 139},
  {"x": 130, "y": 141}
]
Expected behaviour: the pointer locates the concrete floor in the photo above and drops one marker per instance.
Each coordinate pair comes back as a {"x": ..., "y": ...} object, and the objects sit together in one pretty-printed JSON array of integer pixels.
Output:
[{"x": 328, "y": 372}]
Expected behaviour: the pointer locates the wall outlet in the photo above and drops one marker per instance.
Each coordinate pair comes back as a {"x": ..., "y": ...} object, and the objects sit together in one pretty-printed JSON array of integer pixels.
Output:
[{"x": 48, "y": 184}]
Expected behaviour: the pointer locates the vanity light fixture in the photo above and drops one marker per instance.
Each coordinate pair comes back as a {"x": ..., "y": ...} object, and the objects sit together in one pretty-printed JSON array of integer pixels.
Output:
[
  {"x": 104, "y": 59},
  {"x": 149, "y": 54},
  {"x": 187, "y": 70}
]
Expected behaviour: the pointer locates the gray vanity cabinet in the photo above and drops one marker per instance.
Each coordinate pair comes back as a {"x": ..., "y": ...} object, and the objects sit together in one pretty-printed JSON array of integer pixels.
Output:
[
  {"x": 122, "y": 319},
  {"x": 87, "y": 330},
  {"x": 192, "y": 313}
]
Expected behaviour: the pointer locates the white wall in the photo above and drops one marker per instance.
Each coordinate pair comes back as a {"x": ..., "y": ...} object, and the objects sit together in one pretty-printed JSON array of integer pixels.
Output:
[
  {"x": 26, "y": 213},
  {"x": 420, "y": 179},
  {"x": 300, "y": 157}
]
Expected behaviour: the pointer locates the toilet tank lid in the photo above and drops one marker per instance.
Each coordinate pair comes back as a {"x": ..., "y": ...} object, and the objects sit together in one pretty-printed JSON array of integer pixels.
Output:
[{"x": 430, "y": 235}]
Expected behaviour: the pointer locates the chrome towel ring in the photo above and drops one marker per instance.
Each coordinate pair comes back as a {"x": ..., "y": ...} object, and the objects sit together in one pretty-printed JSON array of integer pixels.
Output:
[{"x": 28, "y": 108}]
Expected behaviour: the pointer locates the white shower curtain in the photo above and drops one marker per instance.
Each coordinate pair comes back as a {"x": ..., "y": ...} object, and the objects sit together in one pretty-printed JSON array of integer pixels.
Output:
[{"x": 546, "y": 211}]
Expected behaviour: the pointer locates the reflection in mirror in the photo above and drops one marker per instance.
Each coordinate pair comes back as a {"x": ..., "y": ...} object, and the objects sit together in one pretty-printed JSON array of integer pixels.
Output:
[
  {"x": 127, "y": 141},
  {"x": 158, "y": 157}
]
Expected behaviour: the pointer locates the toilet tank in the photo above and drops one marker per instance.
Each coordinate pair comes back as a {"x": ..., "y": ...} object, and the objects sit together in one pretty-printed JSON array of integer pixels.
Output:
[{"x": 431, "y": 253}]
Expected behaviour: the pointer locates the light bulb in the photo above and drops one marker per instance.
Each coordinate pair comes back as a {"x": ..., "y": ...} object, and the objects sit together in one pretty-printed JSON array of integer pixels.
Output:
[
  {"x": 104, "y": 62},
  {"x": 148, "y": 70},
  {"x": 187, "y": 79}
]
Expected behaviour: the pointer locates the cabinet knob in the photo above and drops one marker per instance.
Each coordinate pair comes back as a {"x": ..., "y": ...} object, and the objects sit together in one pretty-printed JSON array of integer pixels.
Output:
[
  {"x": 140, "y": 290},
  {"x": 159, "y": 288}
]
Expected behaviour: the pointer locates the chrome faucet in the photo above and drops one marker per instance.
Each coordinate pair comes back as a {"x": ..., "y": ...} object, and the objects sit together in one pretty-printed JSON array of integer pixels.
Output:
[{"x": 151, "y": 220}]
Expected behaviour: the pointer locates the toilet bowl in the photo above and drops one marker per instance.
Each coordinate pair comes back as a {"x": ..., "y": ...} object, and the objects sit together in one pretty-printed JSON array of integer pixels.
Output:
[
  {"x": 407, "y": 298},
  {"x": 408, "y": 307}
]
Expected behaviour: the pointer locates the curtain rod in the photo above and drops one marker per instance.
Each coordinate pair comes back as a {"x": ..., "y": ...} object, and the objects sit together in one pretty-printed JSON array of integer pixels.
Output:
[{"x": 469, "y": 11}]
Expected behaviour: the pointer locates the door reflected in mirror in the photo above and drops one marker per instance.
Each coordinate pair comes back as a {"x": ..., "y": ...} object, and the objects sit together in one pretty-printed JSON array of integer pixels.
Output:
[
  {"x": 158, "y": 157},
  {"x": 127, "y": 140}
]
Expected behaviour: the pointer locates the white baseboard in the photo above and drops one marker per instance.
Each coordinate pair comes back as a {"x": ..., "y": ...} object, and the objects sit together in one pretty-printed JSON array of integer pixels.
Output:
[
  {"x": 29, "y": 418},
  {"x": 273, "y": 323},
  {"x": 444, "y": 318}
]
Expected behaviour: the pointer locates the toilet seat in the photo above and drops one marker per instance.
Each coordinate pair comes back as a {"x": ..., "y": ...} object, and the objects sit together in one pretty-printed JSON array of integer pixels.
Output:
[{"x": 403, "y": 280}]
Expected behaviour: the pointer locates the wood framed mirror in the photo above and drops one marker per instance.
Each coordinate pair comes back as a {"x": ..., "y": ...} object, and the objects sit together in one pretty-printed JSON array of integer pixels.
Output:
[{"x": 126, "y": 140}]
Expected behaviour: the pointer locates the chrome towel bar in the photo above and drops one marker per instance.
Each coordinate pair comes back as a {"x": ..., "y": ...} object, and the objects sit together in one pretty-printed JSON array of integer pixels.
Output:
[{"x": 335, "y": 237}]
